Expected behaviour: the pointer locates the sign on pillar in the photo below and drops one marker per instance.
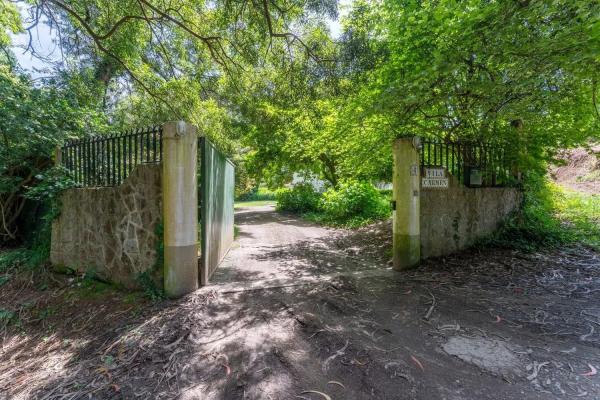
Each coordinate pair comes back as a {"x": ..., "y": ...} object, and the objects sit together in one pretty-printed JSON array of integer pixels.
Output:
[{"x": 407, "y": 203}]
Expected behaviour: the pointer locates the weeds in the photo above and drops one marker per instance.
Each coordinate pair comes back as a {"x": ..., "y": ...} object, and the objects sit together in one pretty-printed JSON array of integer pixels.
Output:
[
  {"x": 149, "y": 287},
  {"x": 551, "y": 216}
]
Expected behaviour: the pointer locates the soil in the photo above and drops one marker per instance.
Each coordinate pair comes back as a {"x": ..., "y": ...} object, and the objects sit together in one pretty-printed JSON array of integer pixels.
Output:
[
  {"x": 579, "y": 170},
  {"x": 482, "y": 324}
]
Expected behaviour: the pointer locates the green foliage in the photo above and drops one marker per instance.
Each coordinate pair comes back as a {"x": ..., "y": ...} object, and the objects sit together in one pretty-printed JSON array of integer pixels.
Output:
[
  {"x": 148, "y": 280},
  {"x": 517, "y": 71},
  {"x": 10, "y": 21},
  {"x": 33, "y": 121},
  {"x": 12, "y": 259},
  {"x": 299, "y": 199},
  {"x": 149, "y": 287},
  {"x": 551, "y": 216},
  {"x": 6, "y": 317},
  {"x": 354, "y": 203},
  {"x": 259, "y": 193},
  {"x": 579, "y": 214}
]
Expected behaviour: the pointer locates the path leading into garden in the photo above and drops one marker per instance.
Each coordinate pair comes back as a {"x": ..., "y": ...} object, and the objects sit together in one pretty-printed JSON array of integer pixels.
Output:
[{"x": 280, "y": 249}]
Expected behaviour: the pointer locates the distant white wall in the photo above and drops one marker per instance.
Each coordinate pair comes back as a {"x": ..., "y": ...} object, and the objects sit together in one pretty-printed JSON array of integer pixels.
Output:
[{"x": 318, "y": 185}]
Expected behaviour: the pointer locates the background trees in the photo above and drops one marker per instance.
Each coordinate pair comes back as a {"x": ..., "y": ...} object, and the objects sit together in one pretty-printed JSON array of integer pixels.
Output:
[{"x": 267, "y": 81}]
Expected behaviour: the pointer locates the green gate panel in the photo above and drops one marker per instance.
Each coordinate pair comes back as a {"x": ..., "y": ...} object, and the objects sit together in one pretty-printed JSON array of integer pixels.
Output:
[{"x": 216, "y": 193}]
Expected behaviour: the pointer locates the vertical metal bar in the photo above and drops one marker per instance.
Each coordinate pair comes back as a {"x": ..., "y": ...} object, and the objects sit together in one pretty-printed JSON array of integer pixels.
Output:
[
  {"x": 107, "y": 162},
  {"x": 89, "y": 161},
  {"x": 129, "y": 150},
  {"x": 68, "y": 159},
  {"x": 135, "y": 146},
  {"x": 452, "y": 161},
  {"x": 118, "y": 139},
  {"x": 111, "y": 142},
  {"x": 74, "y": 171},
  {"x": 124, "y": 139},
  {"x": 101, "y": 160},
  {"x": 83, "y": 162},
  {"x": 141, "y": 134},
  {"x": 429, "y": 152},
  {"x": 147, "y": 146},
  {"x": 446, "y": 146},
  {"x": 160, "y": 143},
  {"x": 154, "y": 145},
  {"x": 78, "y": 179},
  {"x": 83, "y": 159},
  {"x": 93, "y": 153}
]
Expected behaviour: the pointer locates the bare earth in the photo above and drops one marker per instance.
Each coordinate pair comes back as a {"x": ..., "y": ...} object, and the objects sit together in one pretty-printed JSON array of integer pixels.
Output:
[
  {"x": 580, "y": 170},
  {"x": 334, "y": 322}
]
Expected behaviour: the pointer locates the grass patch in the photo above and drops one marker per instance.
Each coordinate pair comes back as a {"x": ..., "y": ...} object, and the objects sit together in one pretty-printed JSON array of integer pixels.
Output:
[
  {"x": 259, "y": 194},
  {"x": 551, "y": 216},
  {"x": 579, "y": 214},
  {"x": 254, "y": 203}
]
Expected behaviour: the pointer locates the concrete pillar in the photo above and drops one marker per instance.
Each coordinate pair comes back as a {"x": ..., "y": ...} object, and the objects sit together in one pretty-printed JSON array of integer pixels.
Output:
[
  {"x": 180, "y": 208},
  {"x": 407, "y": 198}
]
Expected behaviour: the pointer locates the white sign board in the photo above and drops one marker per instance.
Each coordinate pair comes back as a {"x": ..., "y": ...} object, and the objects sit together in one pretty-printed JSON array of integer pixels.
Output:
[{"x": 435, "y": 178}]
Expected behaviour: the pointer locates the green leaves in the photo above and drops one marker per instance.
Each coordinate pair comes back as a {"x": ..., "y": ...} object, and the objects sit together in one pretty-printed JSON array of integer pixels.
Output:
[
  {"x": 33, "y": 121},
  {"x": 10, "y": 21}
]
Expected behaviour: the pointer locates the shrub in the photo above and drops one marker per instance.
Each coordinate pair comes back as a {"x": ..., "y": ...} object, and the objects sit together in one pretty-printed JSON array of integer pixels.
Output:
[
  {"x": 299, "y": 199},
  {"x": 354, "y": 203},
  {"x": 550, "y": 216},
  {"x": 257, "y": 194}
]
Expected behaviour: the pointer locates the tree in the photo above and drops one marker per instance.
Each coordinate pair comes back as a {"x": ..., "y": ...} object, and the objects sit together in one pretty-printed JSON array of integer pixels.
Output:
[
  {"x": 33, "y": 121},
  {"x": 476, "y": 70}
]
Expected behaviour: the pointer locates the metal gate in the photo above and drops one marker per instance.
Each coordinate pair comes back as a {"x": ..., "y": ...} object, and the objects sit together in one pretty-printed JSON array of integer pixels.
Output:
[{"x": 215, "y": 214}]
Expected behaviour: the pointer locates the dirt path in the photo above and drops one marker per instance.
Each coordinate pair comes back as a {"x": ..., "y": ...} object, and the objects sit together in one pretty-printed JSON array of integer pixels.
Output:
[
  {"x": 272, "y": 246},
  {"x": 481, "y": 325}
]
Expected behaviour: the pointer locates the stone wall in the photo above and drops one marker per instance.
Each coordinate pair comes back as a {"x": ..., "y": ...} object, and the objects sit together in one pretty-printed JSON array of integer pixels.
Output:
[
  {"x": 111, "y": 231},
  {"x": 454, "y": 218}
]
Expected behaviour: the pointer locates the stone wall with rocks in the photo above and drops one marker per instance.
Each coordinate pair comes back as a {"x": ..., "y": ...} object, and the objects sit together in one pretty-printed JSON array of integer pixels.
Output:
[
  {"x": 111, "y": 231},
  {"x": 455, "y": 218}
]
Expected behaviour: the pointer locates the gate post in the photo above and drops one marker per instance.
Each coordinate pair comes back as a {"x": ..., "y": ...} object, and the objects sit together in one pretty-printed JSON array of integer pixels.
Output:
[
  {"x": 180, "y": 208},
  {"x": 406, "y": 198}
]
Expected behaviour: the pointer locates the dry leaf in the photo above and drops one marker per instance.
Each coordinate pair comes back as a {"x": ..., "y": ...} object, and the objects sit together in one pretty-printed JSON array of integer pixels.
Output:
[
  {"x": 227, "y": 369},
  {"x": 592, "y": 372},
  {"x": 326, "y": 397},
  {"x": 336, "y": 383},
  {"x": 417, "y": 362}
]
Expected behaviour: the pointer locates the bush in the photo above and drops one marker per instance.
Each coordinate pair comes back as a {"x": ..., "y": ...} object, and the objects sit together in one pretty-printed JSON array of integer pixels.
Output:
[
  {"x": 551, "y": 216},
  {"x": 300, "y": 199},
  {"x": 354, "y": 203},
  {"x": 257, "y": 194}
]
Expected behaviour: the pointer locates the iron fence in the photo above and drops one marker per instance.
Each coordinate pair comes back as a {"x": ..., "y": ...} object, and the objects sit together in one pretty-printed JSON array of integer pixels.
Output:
[
  {"x": 459, "y": 158},
  {"x": 108, "y": 160}
]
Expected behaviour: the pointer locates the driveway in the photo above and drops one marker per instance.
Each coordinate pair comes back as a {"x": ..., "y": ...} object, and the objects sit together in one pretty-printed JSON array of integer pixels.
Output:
[{"x": 280, "y": 247}]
